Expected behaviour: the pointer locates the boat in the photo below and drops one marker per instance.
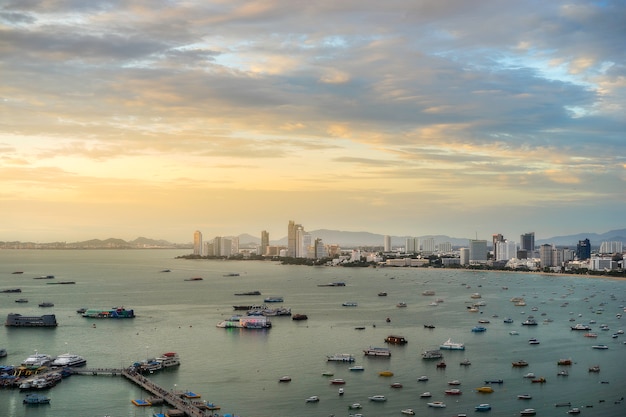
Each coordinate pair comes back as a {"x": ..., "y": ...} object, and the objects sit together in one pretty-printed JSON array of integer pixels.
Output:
[
  {"x": 454, "y": 382},
  {"x": 17, "y": 320},
  {"x": 574, "y": 410},
  {"x": 595, "y": 368},
  {"x": 529, "y": 322},
  {"x": 441, "y": 364},
  {"x": 385, "y": 373},
  {"x": 453, "y": 391},
  {"x": 479, "y": 329},
  {"x": 563, "y": 373},
  {"x": 337, "y": 381},
  {"x": 565, "y": 404},
  {"x": 465, "y": 362},
  {"x": 437, "y": 404},
  {"x": 540, "y": 380},
  {"x": 580, "y": 326},
  {"x": 299, "y": 317},
  {"x": 12, "y": 290},
  {"x": 340, "y": 357},
  {"x": 484, "y": 390},
  {"x": 483, "y": 407},
  {"x": 450, "y": 345},
  {"x": 377, "y": 398},
  {"x": 422, "y": 378},
  {"x": 528, "y": 412},
  {"x": 36, "y": 399},
  {"x": 494, "y": 381},
  {"x": 246, "y": 322},
  {"x": 408, "y": 411},
  {"x": 333, "y": 284},
  {"x": 432, "y": 354},
  {"x": 46, "y": 304},
  {"x": 37, "y": 360},
  {"x": 61, "y": 283},
  {"x": 429, "y": 326},
  {"x": 350, "y": 304},
  {"x": 355, "y": 406},
  {"x": 285, "y": 378},
  {"x": 274, "y": 299},
  {"x": 194, "y": 279},
  {"x": 231, "y": 274},
  {"x": 524, "y": 397},
  {"x": 313, "y": 399},
  {"x": 111, "y": 313},
  {"x": 513, "y": 332},
  {"x": 21, "y": 300},
  {"x": 428, "y": 292},
  {"x": 396, "y": 340},
  {"x": 533, "y": 341},
  {"x": 168, "y": 359},
  {"x": 377, "y": 351},
  {"x": 141, "y": 403},
  {"x": 340, "y": 391},
  {"x": 529, "y": 375},
  {"x": 255, "y": 292},
  {"x": 68, "y": 360},
  {"x": 475, "y": 295},
  {"x": 17, "y": 272},
  {"x": 328, "y": 373},
  {"x": 3, "y": 354},
  {"x": 396, "y": 385},
  {"x": 401, "y": 304},
  {"x": 356, "y": 368},
  {"x": 520, "y": 363},
  {"x": 382, "y": 294},
  {"x": 564, "y": 362},
  {"x": 602, "y": 347},
  {"x": 508, "y": 320},
  {"x": 426, "y": 394}
]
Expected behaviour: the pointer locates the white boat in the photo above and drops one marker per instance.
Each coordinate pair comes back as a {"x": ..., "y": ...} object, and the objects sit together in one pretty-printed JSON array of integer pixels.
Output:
[
  {"x": 426, "y": 394},
  {"x": 355, "y": 406},
  {"x": 529, "y": 375},
  {"x": 524, "y": 397},
  {"x": 422, "y": 378},
  {"x": 436, "y": 404},
  {"x": 603, "y": 347},
  {"x": 37, "y": 360},
  {"x": 377, "y": 398},
  {"x": 408, "y": 411},
  {"x": 377, "y": 351},
  {"x": 450, "y": 345},
  {"x": 340, "y": 357},
  {"x": 313, "y": 399},
  {"x": 168, "y": 359},
  {"x": 356, "y": 368},
  {"x": 528, "y": 412},
  {"x": 68, "y": 360}
]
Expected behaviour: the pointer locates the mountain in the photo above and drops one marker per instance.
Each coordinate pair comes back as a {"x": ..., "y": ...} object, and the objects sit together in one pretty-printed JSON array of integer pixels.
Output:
[{"x": 594, "y": 238}]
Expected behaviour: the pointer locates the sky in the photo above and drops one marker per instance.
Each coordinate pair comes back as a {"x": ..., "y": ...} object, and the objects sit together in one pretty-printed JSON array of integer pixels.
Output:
[{"x": 156, "y": 118}]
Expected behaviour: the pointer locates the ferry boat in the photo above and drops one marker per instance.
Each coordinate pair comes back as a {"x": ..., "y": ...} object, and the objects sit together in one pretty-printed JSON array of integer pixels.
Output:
[
  {"x": 581, "y": 326},
  {"x": 246, "y": 322},
  {"x": 168, "y": 359},
  {"x": 479, "y": 329},
  {"x": 340, "y": 357},
  {"x": 36, "y": 399},
  {"x": 37, "y": 360},
  {"x": 273, "y": 299},
  {"x": 377, "y": 351},
  {"x": 529, "y": 322},
  {"x": 112, "y": 313},
  {"x": 68, "y": 360},
  {"x": 450, "y": 345},
  {"x": 432, "y": 354},
  {"x": 17, "y": 320},
  {"x": 396, "y": 340}
]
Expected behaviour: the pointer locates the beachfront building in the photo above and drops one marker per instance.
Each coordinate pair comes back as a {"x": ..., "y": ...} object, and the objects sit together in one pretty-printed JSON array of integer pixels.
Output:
[
  {"x": 197, "y": 243},
  {"x": 477, "y": 252}
]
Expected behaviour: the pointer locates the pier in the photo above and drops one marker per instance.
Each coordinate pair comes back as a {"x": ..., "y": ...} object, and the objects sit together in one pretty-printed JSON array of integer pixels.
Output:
[{"x": 176, "y": 400}]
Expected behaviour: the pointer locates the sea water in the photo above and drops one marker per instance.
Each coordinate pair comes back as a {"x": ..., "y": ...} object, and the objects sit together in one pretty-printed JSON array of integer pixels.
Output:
[{"x": 240, "y": 369}]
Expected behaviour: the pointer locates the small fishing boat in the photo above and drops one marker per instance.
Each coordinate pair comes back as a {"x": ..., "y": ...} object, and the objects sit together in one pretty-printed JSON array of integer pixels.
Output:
[
  {"x": 483, "y": 407},
  {"x": 378, "y": 398},
  {"x": 408, "y": 411},
  {"x": 524, "y": 397},
  {"x": 436, "y": 404},
  {"x": 313, "y": 399},
  {"x": 426, "y": 394},
  {"x": 528, "y": 412},
  {"x": 422, "y": 378}
]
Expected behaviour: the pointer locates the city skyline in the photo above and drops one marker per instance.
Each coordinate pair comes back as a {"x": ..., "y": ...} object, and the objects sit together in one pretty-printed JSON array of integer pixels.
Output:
[{"x": 399, "y": 118}]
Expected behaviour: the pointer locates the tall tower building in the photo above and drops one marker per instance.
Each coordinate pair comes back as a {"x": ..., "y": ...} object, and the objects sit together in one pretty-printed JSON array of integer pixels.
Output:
[
  {"x": 265, "y": 242},
  {"x": 387, "y": 243},
  {"x": 527, "y": 242},
  {"x": 292, "y": 243},
  {"x": 583, "y": 250},
  {"x": 428, "y": 246},
  {"x": 497, "y": 237},
  {"x": 545, "y": 255},
  {"x": 477, "y": 251},
  {"x": 197, "y": 243}
]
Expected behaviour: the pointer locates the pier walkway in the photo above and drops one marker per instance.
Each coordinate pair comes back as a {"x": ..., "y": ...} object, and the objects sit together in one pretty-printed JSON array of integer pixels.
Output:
[
  {"x": 172, "y": 398},
  {"x": 97, "y": 371}
]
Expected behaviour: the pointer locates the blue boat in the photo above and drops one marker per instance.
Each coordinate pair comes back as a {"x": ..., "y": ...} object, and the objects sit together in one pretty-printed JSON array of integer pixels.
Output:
[
  {"x": 483, "y": 407},
  {"x": 479, "y": 329},
  {"x": 36, "y": 399}
]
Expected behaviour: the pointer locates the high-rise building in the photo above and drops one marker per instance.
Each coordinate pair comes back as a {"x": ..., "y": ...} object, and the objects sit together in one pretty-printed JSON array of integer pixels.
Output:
[
  {"x": 545, "y": 255},
  {"x": 320, "y": 251},
  {"x": 464, "y": 256},
  {"x": 428, "y": 246},
  {"x": 387, "y": 243},
  {"x": 292, "y": 243},
  {"x": 505, "y": 250},
  {"x": 409, "y": 246},
  {"x": 611, "y": 247},
  {"x": 197, "y": 243},
  {"x": 583, "y": 250},
  {"x": 497, "y": 237},
  {"x": 527, "y": 242},
  {"x": 265, "y": 242},
  {"x": 477, "y": 251}
]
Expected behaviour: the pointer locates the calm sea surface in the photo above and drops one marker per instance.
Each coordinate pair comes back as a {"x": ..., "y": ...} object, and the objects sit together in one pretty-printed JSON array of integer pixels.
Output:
[{"x": 239, "y": 369}]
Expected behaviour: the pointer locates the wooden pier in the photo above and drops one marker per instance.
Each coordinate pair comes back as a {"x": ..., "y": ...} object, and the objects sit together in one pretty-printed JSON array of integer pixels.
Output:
[{"x": 174, "y": 399}]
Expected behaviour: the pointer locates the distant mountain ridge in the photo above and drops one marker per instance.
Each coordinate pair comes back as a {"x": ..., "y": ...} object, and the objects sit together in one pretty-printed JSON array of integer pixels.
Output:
[{"x": 344, "y": 239}]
